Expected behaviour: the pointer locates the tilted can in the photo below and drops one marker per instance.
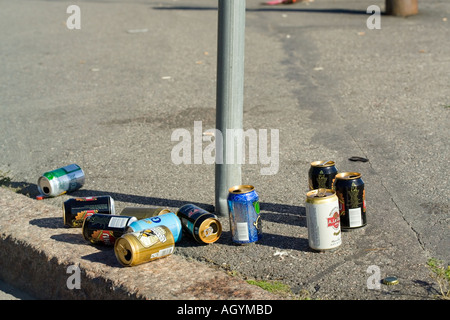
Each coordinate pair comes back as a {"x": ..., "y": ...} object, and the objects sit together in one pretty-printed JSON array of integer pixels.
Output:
[
  {"x": 170, "y": 220},
  {"x": 75, "y": 210},
  {"x": 143, "y": 246},
  {"x": 321, "y": 174},
  {"x": 352, "y": 199},
  {"x": 322, "y": 219},
  {"x": 62, "y": 180},
  {"x": 202, "y": 225},
  {"x": 143, "y": 212},
  {"x": 105, "y": 228},
  {"x": 244, "y": 214}
]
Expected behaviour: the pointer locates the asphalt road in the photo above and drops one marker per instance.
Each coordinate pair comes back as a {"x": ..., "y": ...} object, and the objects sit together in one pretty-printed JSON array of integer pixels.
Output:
[{"x": 110, "y": 95}]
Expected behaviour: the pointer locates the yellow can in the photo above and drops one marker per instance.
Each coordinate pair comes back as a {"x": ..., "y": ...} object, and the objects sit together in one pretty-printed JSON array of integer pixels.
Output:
[{"x": 143, "y": 246}]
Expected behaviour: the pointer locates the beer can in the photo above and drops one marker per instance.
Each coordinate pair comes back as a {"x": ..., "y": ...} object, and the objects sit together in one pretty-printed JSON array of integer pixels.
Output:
[
  {"x": 244, "y": 214},
  {"x": 321, "y": 174},
  {"x": 75, "y": 210},
  {"x": 202, "y": 225},
  {"x": 62, "y": 180},
  {"x": 322, "y": 219},
  {"x": 352, "y": 199},
  {"x": 102, "y": 228},
  {"x": 143, "y": 246},
  {"x": 170, "y": 220},
  {"x": 143, "y": 212}
]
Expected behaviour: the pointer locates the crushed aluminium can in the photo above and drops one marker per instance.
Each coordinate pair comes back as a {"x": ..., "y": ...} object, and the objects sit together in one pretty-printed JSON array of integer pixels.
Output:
[
  {"x": 244, "y": 214},
  {"x": 321, "y": 174},
  {"x": 143, "y": 212},
  {"x": 143, "y": 246},
  {"x": 104, "y": 229},
  {"x": 75, "y": 210},
  {"x": 323, "y": 220},
  {"x": 62, "y": 180},
  {"x": 170, "y": 220},
  {"x": 202, "y": 225},
  {"x": 350, "y": 191}
]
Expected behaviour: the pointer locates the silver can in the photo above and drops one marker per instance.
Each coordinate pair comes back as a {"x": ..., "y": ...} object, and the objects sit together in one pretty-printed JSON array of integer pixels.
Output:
[
  {"x": 62, "y": 180},
  {"x": 323, "y": 220}
]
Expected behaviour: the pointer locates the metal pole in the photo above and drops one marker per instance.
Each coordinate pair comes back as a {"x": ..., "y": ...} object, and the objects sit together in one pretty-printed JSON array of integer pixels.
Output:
[{"x": 230, "y": 96}]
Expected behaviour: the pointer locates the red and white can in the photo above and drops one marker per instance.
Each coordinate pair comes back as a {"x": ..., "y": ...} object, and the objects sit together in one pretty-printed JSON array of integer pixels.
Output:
[{"x": 323, "y": 219}]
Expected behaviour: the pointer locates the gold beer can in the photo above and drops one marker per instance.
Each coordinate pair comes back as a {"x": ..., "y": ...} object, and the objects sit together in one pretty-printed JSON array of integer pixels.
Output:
[
  {"x": 143, "y": 246},
  {"x": 323, "y": 219}
]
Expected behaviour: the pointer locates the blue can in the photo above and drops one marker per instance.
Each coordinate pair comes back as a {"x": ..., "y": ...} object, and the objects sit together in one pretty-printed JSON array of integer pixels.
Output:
[
  {"x": 170, "y": 220},
  {"x": 245, "y": 218}
]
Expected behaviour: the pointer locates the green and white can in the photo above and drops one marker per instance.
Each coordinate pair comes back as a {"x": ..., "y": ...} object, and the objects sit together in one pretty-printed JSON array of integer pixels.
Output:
[{"x": 56, "y": 182}]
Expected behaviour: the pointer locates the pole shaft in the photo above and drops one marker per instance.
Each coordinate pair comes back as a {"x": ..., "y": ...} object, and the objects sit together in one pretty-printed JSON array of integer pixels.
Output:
[{"x": 229, "y": 95}]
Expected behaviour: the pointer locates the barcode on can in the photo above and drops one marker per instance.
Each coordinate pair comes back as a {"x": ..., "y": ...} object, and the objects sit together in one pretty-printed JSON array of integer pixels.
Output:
[
  {"x": 354, "y": 216},
  {"x": 162, "y": 252},
  {"x": 242, "y": 231},
  {"x": 117, "y": 222}
]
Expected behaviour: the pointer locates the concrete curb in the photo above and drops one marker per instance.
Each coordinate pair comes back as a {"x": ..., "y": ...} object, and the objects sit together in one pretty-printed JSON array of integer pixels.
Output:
[{"x": 36, "y": 250}]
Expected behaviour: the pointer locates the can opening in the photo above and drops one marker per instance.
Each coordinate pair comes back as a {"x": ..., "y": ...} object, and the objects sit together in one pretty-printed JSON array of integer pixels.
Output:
[
  {"x": 321, "y": 192},
  {"x": 353, "y": 176},
  {"x": 127, "y": 256},
  {"x": 241, "y": 189},
  {"x": 212, "y": 229},
  {"x": 46, "y": 190}
]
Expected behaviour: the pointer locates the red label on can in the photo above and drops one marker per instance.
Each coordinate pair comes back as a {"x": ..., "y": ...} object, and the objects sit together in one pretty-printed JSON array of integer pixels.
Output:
[
  {"x": 334, "y": 220},
  {"x": 105, "y": 236}
]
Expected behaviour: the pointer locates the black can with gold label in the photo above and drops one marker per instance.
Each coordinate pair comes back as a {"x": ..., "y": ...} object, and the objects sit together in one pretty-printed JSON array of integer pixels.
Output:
[
  {"x": 321, "y": 175},
  {"x": 350, "y": 191}
]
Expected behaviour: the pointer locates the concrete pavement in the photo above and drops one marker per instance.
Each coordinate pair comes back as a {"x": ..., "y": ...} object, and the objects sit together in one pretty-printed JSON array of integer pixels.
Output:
[{"x": 109, "y": 98}]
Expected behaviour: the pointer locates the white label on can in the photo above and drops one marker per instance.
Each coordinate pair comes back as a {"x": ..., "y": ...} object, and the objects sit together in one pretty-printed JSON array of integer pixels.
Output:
[
  {"x": 162, "y": 252},
  {"x": 354, "y": 217},
  {"x": 117, "y": 222},
  {"x": 242, "y": 231}
]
